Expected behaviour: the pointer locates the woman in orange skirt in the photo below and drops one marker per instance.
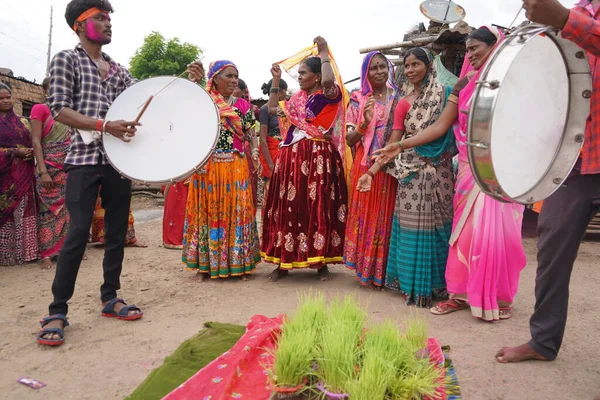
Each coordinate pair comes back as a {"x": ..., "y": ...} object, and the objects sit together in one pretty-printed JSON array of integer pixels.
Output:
[
  {"x": 220, "y": 237},
  {"x": 370, "y": 214}
]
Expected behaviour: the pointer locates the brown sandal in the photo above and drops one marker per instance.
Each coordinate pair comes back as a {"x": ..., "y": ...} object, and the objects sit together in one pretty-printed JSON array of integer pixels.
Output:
[
  {"x": 448, "y": 306},
  {"x": 505, "y": 312}
]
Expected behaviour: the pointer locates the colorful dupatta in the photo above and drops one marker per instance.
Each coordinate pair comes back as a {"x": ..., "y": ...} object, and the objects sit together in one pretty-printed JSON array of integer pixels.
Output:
[
  {"x": 229, "y": 118},
  {"x": 298, "y": 101},
  {"x": 16, "y": 175},
  {"x": 425, "y": 110},
  {"x": 367, "y": 90}
]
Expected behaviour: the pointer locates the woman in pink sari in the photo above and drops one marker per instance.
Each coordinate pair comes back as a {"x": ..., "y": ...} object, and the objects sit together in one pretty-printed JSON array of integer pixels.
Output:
[
  {"x": 51, "y": 141},
  {"x": 486, "y": 255}
]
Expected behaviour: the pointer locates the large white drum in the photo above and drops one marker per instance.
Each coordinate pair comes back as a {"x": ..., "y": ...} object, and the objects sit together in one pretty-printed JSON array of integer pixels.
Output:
[
  {"x": 179, "y": 130},
  {"x": 528, "y": 115}
]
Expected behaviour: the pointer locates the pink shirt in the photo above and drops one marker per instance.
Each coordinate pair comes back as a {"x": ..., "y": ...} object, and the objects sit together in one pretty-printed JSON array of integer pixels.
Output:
[
  {"x": 400, "y": 112},
  {"x": 41, "y": 112}
]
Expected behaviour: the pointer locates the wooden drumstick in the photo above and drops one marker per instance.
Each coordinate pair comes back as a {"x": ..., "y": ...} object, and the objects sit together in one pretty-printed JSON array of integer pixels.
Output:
[{"x": 137, "y": 120}]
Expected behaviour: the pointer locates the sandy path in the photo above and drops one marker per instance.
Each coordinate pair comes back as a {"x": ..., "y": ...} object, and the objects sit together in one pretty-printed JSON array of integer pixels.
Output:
[{"x": 106, "y": 359}]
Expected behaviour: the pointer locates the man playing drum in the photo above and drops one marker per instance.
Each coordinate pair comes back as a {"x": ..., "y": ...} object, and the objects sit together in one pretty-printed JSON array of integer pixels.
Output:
[
  {"x": 84, "y": 83},
  {"x": 566, "y": 214}
]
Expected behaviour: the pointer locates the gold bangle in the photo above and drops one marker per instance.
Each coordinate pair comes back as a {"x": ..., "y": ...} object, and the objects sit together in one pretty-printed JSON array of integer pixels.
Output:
[{"x": 401, "y": 145}]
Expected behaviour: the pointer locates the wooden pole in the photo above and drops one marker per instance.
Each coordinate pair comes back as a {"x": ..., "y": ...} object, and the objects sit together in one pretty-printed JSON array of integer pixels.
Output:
[
  {"x": 408, "y": 43},
  {"x": 49, "y": 42}
]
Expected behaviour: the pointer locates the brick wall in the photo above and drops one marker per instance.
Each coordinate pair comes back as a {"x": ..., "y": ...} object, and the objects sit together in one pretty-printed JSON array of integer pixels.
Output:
[{"x": 26, "y": 94}]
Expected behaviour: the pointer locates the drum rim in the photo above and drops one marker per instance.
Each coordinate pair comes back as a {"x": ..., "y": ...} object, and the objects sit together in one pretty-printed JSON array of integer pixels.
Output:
[
  {"x": 569, "y": 146},
  {"x": 195, "y": 170}
]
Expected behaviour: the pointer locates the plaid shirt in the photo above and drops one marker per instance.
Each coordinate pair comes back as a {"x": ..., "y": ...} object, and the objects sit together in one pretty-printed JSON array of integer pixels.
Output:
[
  {"x": 583, "y": 29},
  {"x": 76, "y": 83}
]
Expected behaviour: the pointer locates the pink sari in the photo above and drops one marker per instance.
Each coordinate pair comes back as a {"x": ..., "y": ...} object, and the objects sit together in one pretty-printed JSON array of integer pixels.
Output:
[{"x": 486, "y": 254}]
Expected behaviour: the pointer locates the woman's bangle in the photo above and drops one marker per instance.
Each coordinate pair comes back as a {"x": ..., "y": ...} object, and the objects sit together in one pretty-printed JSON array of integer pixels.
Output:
[
  {"x": 360, "y": 130},
  {"x": 400, "y": 145},
  {"x": 44, "y": 173},
  {"x": 327, "y": 60},
  {"x": 99, "y": 124},
  {"x": 104, "y": 127},
  {"x": 371, "y": 174},
  {"x": 274, "y": 90}
]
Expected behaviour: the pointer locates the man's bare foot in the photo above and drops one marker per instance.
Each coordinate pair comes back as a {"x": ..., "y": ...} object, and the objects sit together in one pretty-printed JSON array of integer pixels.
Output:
[
  {"x": 517, "y": 354},
  {"x": 84, "y": 257},
  {"x": 47, "y": 263},
  {"x": 137, "y": 243},
  {"x": 57, "y": 323},
  {"x": 247, "y": 277},
  {"x": 277, "y": 274},
  {"x": 324, "y": 274}
]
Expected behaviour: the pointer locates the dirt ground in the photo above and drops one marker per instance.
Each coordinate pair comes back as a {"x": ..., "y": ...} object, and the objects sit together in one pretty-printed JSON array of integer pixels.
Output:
[{"x": 107, "y": 359}]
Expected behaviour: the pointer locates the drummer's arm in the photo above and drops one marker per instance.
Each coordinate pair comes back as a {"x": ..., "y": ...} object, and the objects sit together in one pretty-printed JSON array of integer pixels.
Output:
[
  {"x": 436, "y": 130},
  {"x": 583, "y": 30}
]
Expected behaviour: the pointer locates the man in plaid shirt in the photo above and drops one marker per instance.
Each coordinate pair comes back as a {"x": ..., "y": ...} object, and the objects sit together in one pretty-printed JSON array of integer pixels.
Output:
[
  {"x": 566, "y": 214},
  {"x": 84, "y": 82}
]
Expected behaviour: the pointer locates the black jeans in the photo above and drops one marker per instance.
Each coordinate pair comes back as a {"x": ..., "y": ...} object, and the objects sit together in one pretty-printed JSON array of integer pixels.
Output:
[
  {"x": 561, "y": 226},
  {"x": 83, "y": 184}
]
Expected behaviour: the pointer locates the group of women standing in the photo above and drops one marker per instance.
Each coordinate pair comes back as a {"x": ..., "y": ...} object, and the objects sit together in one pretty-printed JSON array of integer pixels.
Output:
[
  {"x": 33, "y": 216},
  {"x": 406, "y": 221},
  {"x": 449, "y": 241}
]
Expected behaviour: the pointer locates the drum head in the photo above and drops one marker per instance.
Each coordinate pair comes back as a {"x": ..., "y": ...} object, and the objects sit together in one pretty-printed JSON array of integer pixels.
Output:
[
  {"x": 178, "y": 133},
  {"x": 532, "y": 114},
  {"x": 528, "y": 115}
]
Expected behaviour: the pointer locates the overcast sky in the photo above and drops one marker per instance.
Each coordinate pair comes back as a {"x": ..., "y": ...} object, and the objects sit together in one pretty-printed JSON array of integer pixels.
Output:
[{"x": 252, "y": 34}]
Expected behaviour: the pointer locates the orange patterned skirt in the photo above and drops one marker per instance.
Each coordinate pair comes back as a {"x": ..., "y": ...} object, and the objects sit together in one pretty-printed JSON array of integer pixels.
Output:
[{"x": 220, "y": 235}]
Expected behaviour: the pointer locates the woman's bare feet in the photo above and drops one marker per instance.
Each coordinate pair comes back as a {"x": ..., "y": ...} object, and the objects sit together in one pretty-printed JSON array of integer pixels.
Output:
[
  {"x": 247, "y": 278},
  {"x": 200, "y": 277},
  {"x": 324, "y": 274},
  {"x": 47, "y": 263},
  {"x": 277, "y": 274},
  {"x": 518, "y": 354}
]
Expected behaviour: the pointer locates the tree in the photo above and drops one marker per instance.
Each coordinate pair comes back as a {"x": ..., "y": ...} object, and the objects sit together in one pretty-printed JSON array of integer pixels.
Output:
[{"x": 157, "y": 56}]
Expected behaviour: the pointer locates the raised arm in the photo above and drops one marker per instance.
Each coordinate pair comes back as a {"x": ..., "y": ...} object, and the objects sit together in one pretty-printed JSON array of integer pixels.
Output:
[
  {"x": 576, "y": 26},
  {"x": 327, "y": 75},
  {"x": 264, "y": 128},
  {"x": 274, "y": 93},
  {"x": 356, "y": 127}
]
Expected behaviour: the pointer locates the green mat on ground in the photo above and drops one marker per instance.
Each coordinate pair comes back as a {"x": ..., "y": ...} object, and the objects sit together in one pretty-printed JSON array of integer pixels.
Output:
[{"x": 189, "y": 358}]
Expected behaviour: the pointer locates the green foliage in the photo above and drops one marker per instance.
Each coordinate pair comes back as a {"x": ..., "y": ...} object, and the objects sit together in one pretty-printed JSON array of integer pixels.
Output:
[
  {"x": 339, "y": 352},
  {"x": 296, "y": 345},
  {"x": 159, "y": 56}
]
